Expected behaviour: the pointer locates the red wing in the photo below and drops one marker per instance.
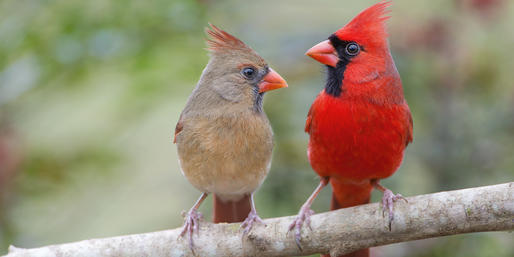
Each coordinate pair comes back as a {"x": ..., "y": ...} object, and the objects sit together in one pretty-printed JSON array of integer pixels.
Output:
[
  {"x": 308, "y": 121},
  {"x": 410, "y": 126}
]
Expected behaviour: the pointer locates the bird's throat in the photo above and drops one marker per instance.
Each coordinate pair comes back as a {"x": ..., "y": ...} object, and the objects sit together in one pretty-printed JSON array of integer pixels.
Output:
[
  {"x": 257, "y": 104},
  {"x": 335, "y": 76}
]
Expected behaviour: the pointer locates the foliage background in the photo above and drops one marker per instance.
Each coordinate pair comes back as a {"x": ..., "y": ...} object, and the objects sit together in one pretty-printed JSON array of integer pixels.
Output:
[{"x": 90, "y": 92}]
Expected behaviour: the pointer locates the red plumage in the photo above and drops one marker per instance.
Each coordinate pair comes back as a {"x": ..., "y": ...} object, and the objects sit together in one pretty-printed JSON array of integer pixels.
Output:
[
  {"x": 354, "y": 140},
  {"x": 360, "y": 124}
]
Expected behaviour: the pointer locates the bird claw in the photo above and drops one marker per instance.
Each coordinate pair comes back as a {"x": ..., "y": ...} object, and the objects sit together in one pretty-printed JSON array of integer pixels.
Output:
[
  {"x": 304, "y": 216},
  {"x": 247, "y": 224},
  {"x": 191, "y": 225},
  {"x": 387, "y": 204}
]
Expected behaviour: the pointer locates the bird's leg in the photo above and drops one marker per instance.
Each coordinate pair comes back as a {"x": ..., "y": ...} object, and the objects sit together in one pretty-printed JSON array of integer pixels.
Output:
[
  {"x": 304, "y": 215},
  {"x": 192, "y": 221},
  {"x": 387, "y": 200},
  {"x": 251, "y": 219}
]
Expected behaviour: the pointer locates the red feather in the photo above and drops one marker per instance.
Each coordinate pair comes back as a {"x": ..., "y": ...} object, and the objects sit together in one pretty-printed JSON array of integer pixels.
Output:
[
  {"x": 368, "y": 26},
  {"x": 359, "y": 136}
]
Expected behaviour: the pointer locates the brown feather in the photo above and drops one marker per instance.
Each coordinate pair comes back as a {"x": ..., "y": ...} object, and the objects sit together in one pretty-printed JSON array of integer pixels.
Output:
[
  {"x": 178, "y": 128},
  {"x": 220, "y": 40},
  {"x": 231, "y": 211},
  {"x": 224, "y": 145}
]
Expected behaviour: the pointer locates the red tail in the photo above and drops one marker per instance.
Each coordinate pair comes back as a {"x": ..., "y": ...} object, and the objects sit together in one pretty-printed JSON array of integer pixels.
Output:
[
  {"x": 231, "y": 211},
  {"x": 348, "y": 195}
]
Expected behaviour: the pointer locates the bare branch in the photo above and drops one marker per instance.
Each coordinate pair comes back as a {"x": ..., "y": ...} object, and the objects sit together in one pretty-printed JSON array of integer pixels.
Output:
[{"x": 489, "y": 208}]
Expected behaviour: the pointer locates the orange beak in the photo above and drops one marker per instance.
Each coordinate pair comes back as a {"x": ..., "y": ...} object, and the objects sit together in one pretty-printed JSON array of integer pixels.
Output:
[
  {"x": 324, "y": 53},
  {"x": 271, "y": 81}
]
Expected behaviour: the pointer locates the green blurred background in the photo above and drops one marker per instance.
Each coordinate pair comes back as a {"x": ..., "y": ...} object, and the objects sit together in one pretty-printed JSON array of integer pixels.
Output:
[{"x": 90, "y": 92}]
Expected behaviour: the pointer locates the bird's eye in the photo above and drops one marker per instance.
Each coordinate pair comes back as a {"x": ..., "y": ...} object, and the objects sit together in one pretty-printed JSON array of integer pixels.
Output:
[
  {"x": 352, "y": 49},
  {"x": 248, "y": 72}
]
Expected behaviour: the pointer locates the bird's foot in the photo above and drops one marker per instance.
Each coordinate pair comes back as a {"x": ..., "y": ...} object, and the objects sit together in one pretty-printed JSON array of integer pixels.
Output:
[
  {"x": 247, "y": 224},
  {"x": 387, "y": 204},
  {"x": 304, "y": 216},
  {"x": 191, "y": 225}
]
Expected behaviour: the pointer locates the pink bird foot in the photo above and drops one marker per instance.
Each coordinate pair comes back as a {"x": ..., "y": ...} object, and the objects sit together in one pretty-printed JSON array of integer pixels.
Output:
[
  {"x": 305, "y": 213},
  {"x": 248, "y": 223},
  {"x": 191, "y": 225},
  {"x": 304, "y": 217},
  {"x": 388, "y": 202}
]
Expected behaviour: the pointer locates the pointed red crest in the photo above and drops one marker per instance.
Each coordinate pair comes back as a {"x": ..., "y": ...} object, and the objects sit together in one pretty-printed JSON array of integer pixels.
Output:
[
  {"x": 221, "y": 40},
  {"x": 367, "y": 25}
]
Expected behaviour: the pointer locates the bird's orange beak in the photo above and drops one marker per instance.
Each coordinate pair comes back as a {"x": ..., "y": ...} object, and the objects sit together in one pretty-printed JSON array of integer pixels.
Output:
[
  {"x": 324, "y": 53},
  {"x": 271, "y": 81}
]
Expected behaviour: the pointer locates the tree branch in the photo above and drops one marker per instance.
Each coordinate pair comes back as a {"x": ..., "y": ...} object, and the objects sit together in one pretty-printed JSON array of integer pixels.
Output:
[{"x": 489, "y": 208}]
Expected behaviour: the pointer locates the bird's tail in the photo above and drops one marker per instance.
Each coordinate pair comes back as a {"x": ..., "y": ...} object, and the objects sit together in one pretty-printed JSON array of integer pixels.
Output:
[
  {"x": 347, "y": 195},
  {"x": 231, "y": 211}
]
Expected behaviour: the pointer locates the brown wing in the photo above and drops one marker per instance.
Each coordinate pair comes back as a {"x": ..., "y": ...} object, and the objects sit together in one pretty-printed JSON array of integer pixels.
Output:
[{"x": 178, "y": 128}]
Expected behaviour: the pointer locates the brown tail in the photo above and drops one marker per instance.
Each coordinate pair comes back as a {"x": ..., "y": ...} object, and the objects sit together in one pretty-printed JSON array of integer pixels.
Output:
[
  {"x": 348, "y": 195},
  {"x": 231, "y": 211}
]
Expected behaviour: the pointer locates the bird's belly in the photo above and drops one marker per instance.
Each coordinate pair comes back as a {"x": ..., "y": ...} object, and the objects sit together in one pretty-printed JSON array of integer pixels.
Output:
[
  {"x": 229, "y": 164},
  {"x": 356, "y": 146},
  {"x": 230, "y": 179}
]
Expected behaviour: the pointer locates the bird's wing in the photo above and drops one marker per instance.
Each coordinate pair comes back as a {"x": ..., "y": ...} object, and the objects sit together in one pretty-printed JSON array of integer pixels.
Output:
[
  {"x": 410, "y": 126},
  {"x": 178, "y": 128},
  {"x": 308, "y": 121}
]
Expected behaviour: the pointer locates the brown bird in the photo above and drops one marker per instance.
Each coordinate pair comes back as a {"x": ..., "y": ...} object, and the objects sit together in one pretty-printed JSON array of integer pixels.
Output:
[{"x": 223, "y": 136}]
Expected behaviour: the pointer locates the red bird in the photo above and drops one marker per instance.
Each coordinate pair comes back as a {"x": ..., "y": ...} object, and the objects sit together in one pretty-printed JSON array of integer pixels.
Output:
[{"x": 360, "y": 123}]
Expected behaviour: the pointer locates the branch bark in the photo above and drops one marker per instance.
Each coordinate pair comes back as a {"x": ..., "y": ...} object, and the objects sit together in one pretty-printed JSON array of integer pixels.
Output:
[{"x": 489, "y": 208}]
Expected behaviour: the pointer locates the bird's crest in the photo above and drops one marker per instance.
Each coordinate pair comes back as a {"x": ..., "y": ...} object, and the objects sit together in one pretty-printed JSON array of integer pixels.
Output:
[
  {"x": 369, "y": 24},
  {"x": 220, "y": 40}
]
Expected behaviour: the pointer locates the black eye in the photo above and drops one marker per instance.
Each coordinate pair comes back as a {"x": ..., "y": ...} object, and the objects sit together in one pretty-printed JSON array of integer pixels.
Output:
[
  {"x": 248, "y": 72},
  {"x": 352, "y": 49}
]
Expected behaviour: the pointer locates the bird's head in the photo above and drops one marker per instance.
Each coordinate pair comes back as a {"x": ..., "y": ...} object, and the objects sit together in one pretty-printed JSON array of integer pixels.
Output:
[
  {"x": 358, "y": 52},
  {"x": 236, "y": 72}
]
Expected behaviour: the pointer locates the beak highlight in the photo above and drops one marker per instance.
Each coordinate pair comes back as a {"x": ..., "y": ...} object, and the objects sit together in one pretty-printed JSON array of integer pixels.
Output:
[
  {"x": 271, "y": 81},
  {"x": 324, "y": 53}
]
